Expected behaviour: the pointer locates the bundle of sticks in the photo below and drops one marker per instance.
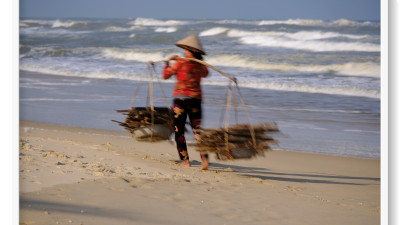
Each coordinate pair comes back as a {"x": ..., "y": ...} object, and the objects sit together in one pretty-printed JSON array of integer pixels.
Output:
[
  {"x": 148, "y": 125},
  {"x": 237, "y": 142}
]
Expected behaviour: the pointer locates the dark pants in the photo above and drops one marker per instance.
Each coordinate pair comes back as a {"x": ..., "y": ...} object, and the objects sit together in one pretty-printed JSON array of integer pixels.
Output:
[{"x": 182, "y": 108}]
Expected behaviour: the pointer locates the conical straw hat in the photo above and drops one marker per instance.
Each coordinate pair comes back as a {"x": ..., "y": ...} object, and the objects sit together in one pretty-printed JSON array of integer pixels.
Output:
[{"x": 191, "y": 43}]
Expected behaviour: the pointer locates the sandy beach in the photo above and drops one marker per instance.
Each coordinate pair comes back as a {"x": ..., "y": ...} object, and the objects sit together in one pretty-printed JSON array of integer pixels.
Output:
[{"x": 72, "y": 175}]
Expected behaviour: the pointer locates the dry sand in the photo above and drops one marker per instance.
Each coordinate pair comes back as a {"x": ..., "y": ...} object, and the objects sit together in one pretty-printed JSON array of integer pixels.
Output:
[{"x": 84, "y": 176}]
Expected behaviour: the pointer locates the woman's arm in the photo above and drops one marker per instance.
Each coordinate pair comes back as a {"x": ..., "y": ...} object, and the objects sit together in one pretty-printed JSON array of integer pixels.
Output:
[
  {"x": 171, "y": 70},
  {"x": 204, "y": 71}
]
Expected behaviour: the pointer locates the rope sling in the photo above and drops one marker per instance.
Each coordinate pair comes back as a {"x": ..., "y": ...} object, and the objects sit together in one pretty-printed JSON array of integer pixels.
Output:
[{"x": 141, "y": 121}]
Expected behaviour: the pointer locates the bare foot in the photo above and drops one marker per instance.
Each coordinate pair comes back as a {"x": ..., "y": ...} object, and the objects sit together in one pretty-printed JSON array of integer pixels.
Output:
[
  {"x": 204, "y": 162},
  {"x": 204, "y": 166},
  {"x": 184, "y": 163}
]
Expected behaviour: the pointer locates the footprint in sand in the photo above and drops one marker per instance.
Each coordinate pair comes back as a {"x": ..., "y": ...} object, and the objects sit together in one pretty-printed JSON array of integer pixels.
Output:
[
  {"x": 24, "y": 145},
  {"x": 26, "y": 158},
  {"x": 53, "y": 154}
]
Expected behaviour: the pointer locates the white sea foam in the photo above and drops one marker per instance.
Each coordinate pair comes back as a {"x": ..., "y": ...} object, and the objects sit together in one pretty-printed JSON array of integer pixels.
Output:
[
  {"x": 367, "y": 69},
  {"x": 310, "y": 22},
  {"x": 314, "y": 46},
  {"x": 155, "y": 22},
  {"x": 301, "y": 35},
  {"x": 166, "y": 29},
  {"x": 303, "y": 40},
  {"x": 31, "y": 82},
  {"x": 46, "y": 51},
  {"x": 116, "y": 53},
  {"x": 242, "y": 33},
  {"x": 43, "y": 32},
  {"x": 46, "y": 70},
  {"x": 23, "y": 24},
  {"x": 286, "y": 36},
  {"x": 361, "y": 131},
  {"x": 300, "y": 22},
  {"x": 359, "y": 69},
  {"x": 316, "y": 35},
  {"x": 242, "y": 62},
  {"x": 348, "y": 91},
  {"x": 214, "y": 31},
  {"x": 236, "y": 22},
  {"x": 69, "y": 23},
  {"x": 345, "y": 22},
  {"x": 119, "y": 29},
  {"x": 24, "y": 85},
  {"x": 40, "y": 22},
  {"x": 74, "y": 73}
]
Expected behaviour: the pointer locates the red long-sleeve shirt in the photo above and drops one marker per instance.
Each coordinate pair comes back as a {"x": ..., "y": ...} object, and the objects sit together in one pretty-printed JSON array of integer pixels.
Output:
[{"x": 188, "y": 75}]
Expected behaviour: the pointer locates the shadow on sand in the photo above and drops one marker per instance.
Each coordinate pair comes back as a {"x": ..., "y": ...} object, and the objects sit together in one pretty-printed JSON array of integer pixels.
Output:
[{"x": 267, "y": 174}]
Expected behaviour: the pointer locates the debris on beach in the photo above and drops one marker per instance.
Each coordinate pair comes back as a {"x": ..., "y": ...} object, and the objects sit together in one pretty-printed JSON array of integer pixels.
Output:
[
  {"x": 240, "y": 141},
  {"x": 146, "y": 124}
]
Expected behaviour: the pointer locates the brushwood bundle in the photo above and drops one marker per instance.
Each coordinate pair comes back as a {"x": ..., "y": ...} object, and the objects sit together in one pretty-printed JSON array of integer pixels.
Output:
[
  {"x": 147, "y": 124},
  {"x": 237, "y": 142}
]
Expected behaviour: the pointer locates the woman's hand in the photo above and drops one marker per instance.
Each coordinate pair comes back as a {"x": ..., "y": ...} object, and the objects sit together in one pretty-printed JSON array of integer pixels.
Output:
[{"x": 174, "y": 57}]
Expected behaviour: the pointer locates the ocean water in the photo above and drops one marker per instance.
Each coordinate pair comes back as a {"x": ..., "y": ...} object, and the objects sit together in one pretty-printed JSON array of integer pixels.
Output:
[{"x": 318, "y": 80}]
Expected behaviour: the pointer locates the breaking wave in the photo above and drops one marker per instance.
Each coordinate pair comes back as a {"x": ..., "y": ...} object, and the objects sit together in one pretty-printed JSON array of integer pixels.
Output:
[
  {"x": 315, "y": 41},
  {"x": 66, "y": 24},
  {"x": 214, "y": 31},
  {"x": 119, "y": 29},
  {"x": 166, "y": 29},
  {"x": 309, "y": 22},
  {"x": 133, "y": 55},
  {"x": 300, "y": 22},
  {"x": 301, "y": 35},
  {"x": 348, "y": 91},
  {"x": 314, "y": 45},
  {"x": 365, "y": 69},
  {"x": 155, "y": 22}
]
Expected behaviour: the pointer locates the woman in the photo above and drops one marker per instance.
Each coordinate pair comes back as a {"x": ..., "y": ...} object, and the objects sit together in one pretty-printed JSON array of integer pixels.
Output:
[{"x": 187, "y": 94}]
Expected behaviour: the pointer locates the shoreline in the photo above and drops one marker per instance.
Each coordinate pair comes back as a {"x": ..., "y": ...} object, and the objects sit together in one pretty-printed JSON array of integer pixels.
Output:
[
  {"x": 88, "y": 176},
  {"x": 45, "y": 125}
]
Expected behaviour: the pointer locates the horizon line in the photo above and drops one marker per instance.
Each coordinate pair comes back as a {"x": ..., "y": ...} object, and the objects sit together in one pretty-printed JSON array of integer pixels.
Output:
[{"x": 159, "y": 18}]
